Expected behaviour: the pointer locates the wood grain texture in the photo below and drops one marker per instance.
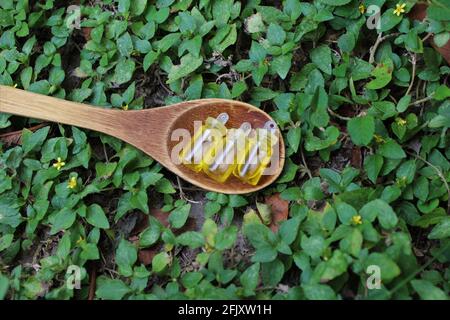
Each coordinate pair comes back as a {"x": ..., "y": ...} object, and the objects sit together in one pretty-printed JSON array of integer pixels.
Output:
[{"x": 149, "y": 130}]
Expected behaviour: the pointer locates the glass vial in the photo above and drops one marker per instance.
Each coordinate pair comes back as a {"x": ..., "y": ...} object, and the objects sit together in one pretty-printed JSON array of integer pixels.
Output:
[
  {"x": 258, "y": 155},
  {"x": 204, "y": 141},
  {"x": 220, "y": 163}
]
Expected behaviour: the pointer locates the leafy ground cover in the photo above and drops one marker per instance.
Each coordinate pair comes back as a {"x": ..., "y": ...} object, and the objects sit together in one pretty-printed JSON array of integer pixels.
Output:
[{"x": 365, "y": 114}]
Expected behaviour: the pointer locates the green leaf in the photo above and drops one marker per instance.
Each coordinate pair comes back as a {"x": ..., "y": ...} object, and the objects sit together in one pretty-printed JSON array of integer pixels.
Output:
[
  {"x": 330, "y": 137},
  {"x": 441, "y": 230},
  {"x": 313, "y": 246},
  {"x": 265, "y": 212},
  {"x": 5, "y": 241},
  {"x": 33, "y": 141},
  {"x": 125, "y": 44},
  {"x": 345, "y": 212},
  {"x": 96, "y": 217},
  {"x": 334, "y": 267},
  {"x": 403, "y": 103},
  {"x": 111, "y": 289},
  {"x": 293, "y": 138},
  {"x": 160, "y": 262},
  {"x": 441, "y": 39},
  {"x": 164, "y": 186},
  {"x": 346, "y": 42},
  {"x": 383, "y": 75},
  {"x": 282, "y": 65},
  {"x": 63, "y": 220},
  {"x": 191, "y": 279},
  {"x": 275, "y": 34},
  {"x": 335, "y": 2},
  {"x": 388, "y": 268},
  {"x": 289, "y": 229},
  {"x": 321, "y": 57},
  {"x": 124, "y": 71},
  {"x": 361, "y": 130},
  {"x": 137, "y": 7},
  {"x": 151, "y": 234},
  {"x": 9, "y": 215},
  {"x": 237, "y": 201},
  {"x": 250, "y": 279},
  {"x": 254, "y": 23},
  {"x": 178, "y": 217},
  {"x": 149, "y": 59},
  {"x": 222, "y": 41},
  {"x": 373, "y": 164},
  {"x": 441, "y": 93},
  {"x": 391, "y": 150},
  {"x": 428, "y": 291},
  {"x": 272, "y": 272},
  {"x": 439, "y": 10},
  {"x": 389, "y": 20},
  {"x": 4, "y": 285},
  {"x": 379, "y": 208},
  {"x": 191, "y": 239},
  {"x": 318, "y": 291},
  {"x": 126, "y": 256},
  {"x": 25, "y": 77},
  {"x": 226, "y": 238},
  {"x": 188, "y": 64},
  {"x": 352, "y": 243}
]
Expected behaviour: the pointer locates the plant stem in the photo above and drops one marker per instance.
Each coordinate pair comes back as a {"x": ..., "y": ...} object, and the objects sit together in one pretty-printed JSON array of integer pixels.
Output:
[{"x": 413, "y": 76}]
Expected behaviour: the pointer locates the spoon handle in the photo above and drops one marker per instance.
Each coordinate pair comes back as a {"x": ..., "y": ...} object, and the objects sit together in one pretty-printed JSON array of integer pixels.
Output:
[{"x": 24, "y": 103}]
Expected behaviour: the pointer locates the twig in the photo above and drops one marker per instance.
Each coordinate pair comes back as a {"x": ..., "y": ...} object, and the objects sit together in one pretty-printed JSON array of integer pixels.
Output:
[
  {"x": 308, "y": 172},
  {"x": 421, "y": 101},
  {"x": 105, "y": 153},
  {"x": 429, "y": 34},
  {"x": 374, "y": 48},
  {"x": 182, "y": 194},
  {"x": 92, "y": 282},
  {"x": 334, "y": 114},
  {"x": 439, "y": 173},
  {"x": 413, "y": 76}
]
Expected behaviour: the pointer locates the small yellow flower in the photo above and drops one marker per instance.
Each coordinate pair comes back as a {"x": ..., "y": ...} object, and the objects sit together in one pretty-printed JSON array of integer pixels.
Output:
[
  {"x": 378, "y": 138},
  {"x": 59, "y": 164},
  {"x": 362, "y": 8},
  {"x": 125, "y": 107},
  {"x": 357, "y": 219},
  {"x": 72, "y": 184},
  {"x": 401, "y": 122},
  {"x": 399, "y": 9}
]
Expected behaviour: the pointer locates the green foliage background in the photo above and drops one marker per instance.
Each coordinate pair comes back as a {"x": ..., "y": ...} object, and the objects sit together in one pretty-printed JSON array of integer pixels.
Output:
[{"x": 366, "y": 176}]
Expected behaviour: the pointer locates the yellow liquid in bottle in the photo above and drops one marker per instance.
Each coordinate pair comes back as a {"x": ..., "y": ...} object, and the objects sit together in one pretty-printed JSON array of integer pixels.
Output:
[
  {"x": 204, "y": 142},
  {"x": 220, "y": 163},
  {"x": 257, "y": 156}
]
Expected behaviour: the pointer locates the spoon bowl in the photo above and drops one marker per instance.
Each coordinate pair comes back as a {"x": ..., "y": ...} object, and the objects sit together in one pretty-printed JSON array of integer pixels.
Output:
[{"x": 150, "y": 130}]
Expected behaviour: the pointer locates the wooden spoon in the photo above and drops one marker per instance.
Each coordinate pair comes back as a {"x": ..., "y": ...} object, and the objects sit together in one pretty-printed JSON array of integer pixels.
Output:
[{"x": 148, "y": 130}]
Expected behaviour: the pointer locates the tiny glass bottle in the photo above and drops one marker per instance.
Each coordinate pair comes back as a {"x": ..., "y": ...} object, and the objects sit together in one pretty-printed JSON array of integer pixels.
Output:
[
  {"x": 203, "y": 142},
  {"x": 258, "y": 155},
  {"x": 220, "y": 163}
]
